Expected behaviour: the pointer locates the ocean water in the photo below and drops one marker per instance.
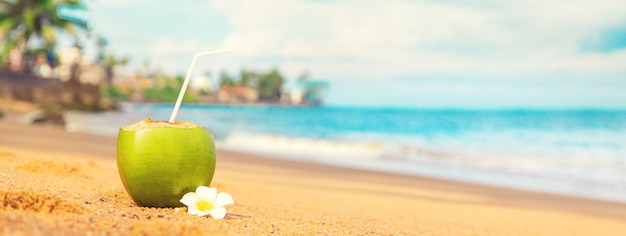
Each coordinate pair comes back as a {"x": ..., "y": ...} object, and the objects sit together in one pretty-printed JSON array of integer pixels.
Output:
[{"x": 573, "y": 152}]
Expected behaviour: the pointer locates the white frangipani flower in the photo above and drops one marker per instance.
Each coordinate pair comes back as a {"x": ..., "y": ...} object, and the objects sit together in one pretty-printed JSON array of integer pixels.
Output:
[{"x": 206, "y": 201}]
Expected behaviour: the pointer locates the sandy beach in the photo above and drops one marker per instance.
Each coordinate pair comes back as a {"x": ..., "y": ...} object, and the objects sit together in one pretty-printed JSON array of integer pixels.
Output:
[{"x": 53, "y": 182}]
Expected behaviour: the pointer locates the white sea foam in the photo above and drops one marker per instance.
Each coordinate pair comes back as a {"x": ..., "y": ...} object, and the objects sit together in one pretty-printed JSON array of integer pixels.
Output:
[
  {"x": 581, "y": 175},
  {"x": 102, "y": 123},
  {"x": 302, "y": 147}
]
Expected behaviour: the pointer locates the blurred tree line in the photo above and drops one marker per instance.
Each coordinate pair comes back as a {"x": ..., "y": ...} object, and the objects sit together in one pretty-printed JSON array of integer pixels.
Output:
[
  {"x": 164, "y": 88},
  {"x": 267, "y": 84},
  {"x": 167, "y": 90},
  {"x": 23, "y": 21}
]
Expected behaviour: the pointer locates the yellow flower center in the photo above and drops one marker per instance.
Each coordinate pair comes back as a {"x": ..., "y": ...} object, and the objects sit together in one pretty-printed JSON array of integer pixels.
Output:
[{"x": 205, "y": 205}]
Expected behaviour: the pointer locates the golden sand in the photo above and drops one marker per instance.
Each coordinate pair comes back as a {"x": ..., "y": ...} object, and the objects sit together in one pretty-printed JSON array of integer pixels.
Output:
[{"x": 53, "y": 182}]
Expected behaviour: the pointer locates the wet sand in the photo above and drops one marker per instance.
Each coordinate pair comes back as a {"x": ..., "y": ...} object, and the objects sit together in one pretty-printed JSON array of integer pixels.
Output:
[{"x": 55, "y": 182}]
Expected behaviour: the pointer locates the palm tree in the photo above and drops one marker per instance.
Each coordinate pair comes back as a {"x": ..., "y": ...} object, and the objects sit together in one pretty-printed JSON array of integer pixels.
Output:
[{"x": 22, "y": 19}]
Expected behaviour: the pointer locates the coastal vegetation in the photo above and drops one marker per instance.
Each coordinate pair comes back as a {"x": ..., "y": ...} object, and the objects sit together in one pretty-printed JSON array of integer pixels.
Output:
[
  {"x": 34, "y": 69},
  {"x": 249, "y": 86}
]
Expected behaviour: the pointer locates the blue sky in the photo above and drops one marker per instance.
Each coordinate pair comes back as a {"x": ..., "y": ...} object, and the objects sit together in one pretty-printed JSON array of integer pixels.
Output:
[{"x": 461, "y": 54}]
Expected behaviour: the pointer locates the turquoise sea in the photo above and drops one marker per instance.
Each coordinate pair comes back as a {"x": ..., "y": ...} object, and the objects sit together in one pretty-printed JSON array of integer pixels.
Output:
[{"x": 578, "y": 152}]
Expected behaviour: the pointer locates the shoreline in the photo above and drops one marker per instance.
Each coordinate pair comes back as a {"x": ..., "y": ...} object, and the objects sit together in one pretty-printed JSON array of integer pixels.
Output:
[
  {"x": 250, "y": 157},
  {"x": 92, "y": 144},
  {"x": 397, "y": 157},
  {"x": 296, "y": 196}
]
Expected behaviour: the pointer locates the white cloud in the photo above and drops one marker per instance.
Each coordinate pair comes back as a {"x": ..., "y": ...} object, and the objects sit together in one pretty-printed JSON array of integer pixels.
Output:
[
  {"x": 446, "y": 44},
  {"x": 170, "y": 46},
  {"x": 380, "y": 39},
  {"x": 126, "y": 3}
]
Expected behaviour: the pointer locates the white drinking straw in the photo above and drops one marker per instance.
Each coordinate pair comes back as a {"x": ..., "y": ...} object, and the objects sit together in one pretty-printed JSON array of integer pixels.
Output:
[{"x": 186, "y": 82}]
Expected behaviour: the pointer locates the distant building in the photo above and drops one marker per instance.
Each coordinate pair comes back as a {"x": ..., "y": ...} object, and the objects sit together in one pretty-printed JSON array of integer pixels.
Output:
[
  {"x": 89, "y": 73},
  {"x": 296, "y": 96},
  {"x": 236, "y": 94},
  {"x": 67, "y": 57},
  {"x": 200, "y": 83}
]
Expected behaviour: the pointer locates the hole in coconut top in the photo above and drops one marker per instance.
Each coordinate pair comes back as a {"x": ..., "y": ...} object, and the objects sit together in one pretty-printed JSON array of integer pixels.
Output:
[{"x": 150, "y": 123}]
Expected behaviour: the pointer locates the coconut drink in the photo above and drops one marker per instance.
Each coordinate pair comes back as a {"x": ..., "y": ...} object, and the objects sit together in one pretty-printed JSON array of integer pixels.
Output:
[{"x": 160, "y": 161}]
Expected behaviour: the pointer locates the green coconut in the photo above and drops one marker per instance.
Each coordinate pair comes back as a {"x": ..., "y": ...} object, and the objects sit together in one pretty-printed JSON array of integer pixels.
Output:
[{"x": 160, "y": 161}]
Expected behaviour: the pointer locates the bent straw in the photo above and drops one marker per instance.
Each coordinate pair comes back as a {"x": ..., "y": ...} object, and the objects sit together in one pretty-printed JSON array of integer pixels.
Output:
[{"x": 187, "y": 78}]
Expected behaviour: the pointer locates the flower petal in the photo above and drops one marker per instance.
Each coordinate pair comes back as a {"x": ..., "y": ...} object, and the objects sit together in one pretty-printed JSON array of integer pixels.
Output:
[
  {"x": 192, "y": 210},
  {"x": 218, "y": 213},
  {"x": 223, "y": 199},
  {"x": 206, "y": 193},
  {"x": 190, "y": 199},
  {"x": 203, "y": 213}
]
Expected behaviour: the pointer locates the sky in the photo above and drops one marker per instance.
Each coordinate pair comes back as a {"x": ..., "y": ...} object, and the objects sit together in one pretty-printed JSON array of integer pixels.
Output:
[{"x": 400, "y": 53}]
